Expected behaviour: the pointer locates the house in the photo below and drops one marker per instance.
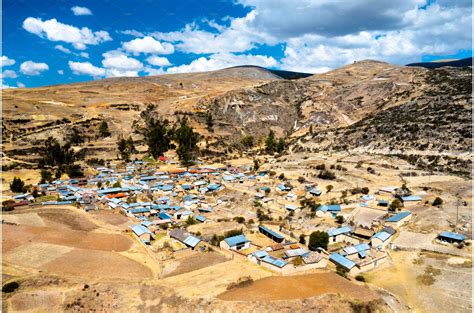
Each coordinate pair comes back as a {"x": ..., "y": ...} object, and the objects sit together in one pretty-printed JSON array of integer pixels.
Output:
[
  {"x": 383, "y": 203},
  {"x": 314, "y": 259},
  {"x": 328, "y": 210},
  {"x": 338, "y": 234},
  {"x": 388, "y": 189},
  {"x": 185, "y": 238},
  {"x": 411, "y": 198},
  {"x": 271, "y": 234},
  {"x": 262, "y": 258},
  {"x": 398, "y": 219},
  {"x": 293, "y": 253},
  {"x": 360, "y": 249},
  {"x": 291, "y": 197},
  {"x": 380, "y": 239},
  {"x": 143, "y": 233},
  {"x": 239, "y": 242},
  {"x": 363, "y": 233},
  {"x": 200, "y": 218},
  {"x": 315, "y": 192},
  {"x": 292, "y": 207},
  {"x": 342, "y": 261},
  {"x": 451, "y": 237}
]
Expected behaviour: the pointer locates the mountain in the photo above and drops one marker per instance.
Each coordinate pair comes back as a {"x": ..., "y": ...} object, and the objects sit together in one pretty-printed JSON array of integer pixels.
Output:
[
  {"x": 442, "y": 63},
  {"x": 368, "y": 106}
]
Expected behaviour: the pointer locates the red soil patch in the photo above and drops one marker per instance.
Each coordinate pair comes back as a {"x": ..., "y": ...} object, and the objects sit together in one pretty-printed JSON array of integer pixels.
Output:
[
  {"x": 15, "y": 235},
  {"x": 109, "y": 217},
  {"x": 98, "y": 264},
  {"x": 298, "y": 287}
]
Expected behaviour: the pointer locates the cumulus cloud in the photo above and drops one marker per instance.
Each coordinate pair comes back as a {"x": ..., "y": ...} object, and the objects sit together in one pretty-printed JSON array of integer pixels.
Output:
[
  {"x": 56, "y": 31},
  {"x": 158, "y": 61},
  {"x": 84, "y": 55},
  {"x": 86, "y": 68},
  {"x": 6, "y": 61},
  {"x": 32, "y": 68},
  {"x": 62, "y": 49},
  {"x": 119, "y": 61},
  {"x": 60, "y": 72},
  {"x": 148, "y": 45},
  {"x": 9, "y": 74},
  {"x": 132, "y": 32},
  {"x": 20, "y": 85},
  {"x": 223, "y": 60},
  {"x": 81, "y": 10}
]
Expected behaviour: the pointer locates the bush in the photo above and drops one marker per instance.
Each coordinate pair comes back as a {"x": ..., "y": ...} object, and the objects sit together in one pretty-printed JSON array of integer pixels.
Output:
[
  {"x": 395, "y": 205},
  {"x": 437, "y": 201},
  {"x": 339, "y": 219},
  {"x": 17, "y": 185},
  {"x": 325, "y": 174},
  {"x": 318, "y": 239},
  {"x": 10, "y": 287},
  {"x": 46, "y": 176},
  {"x": 239, "y": 219},
  {"x": 302, "y": 239},
  {"x": 247, "y": 141},
  {"x": 365, "y": 190},
  {"x": 360, "y": 278}
]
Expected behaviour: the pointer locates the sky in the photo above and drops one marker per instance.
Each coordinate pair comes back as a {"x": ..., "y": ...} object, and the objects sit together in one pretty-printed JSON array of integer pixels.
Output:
[{"x": 51, "y": 42}]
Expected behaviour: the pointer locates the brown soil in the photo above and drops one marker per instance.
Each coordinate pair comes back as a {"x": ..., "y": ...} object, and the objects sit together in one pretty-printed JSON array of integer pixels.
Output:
[
  {"x": 109, "y": 217},
  {"x": 298, "y": 287},
  {"x": 196, "y": 262},
  {"x": 15, "y": 235},
  {"x": 61, "y": 218},
  {"x": 94, "y": 264}
]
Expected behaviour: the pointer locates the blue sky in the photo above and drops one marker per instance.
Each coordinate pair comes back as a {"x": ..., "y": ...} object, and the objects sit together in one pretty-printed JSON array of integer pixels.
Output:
[{"x": 53, "y": 42}]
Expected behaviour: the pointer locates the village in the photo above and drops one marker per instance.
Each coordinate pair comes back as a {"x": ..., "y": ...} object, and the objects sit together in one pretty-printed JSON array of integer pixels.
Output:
[{"x": 282, "y": 224}]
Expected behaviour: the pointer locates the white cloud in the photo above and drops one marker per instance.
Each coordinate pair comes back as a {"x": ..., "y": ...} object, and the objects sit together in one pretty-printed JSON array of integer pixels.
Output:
[
  {"x": 6, "y": 61},
  {"x": 56, "y": 31},
  {"x": 86, "y": 68},
  {"x": 158, "y": 61},
  {"x": 132, "y": 32},
  {"x": 62, "y": 48},
  {"x": 9, "y": 74},
  {"x": 60, "y": 72},
  {"x": 148, "y": 45},
  {"x": 20, "y": 85},
  {"x": 119, "y": 61},
  {"x": 81, "y": 10},
  {"x": 223, "y": 60},
  {"x": 154, "y": 71},
  {"x": 84, "y": 55},
  {"x": 32, "y": 68}
]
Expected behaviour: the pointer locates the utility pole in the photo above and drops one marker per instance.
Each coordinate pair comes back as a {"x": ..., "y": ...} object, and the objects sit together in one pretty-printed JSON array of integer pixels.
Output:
[{"x": 457, "y": 209}]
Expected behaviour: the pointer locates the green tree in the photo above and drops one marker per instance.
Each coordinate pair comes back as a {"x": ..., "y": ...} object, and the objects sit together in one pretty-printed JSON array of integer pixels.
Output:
[
  {"x": 46, "y": 176},
  {"x": 104, "y": 129},
  {"x": 329, "y": 188},
  {"x": 270, "y": 142},
  {"x": 318, "y": 239},
  {"x": 339, "y": 219},
  {"x": 280, "y": 145},
  {"x": 302, "y": 239},
  {"x": 55, "y": 154},
  {"x": 17, "y": 185},
  {"x": 437, "y": 201},
  {"x": 209, "y": 122},
  {"x": 365, "y": 190},
  {"x": 395, "y": 205},
  {"x": 187, "y": 141},
  {"x": 75, "y": 136},
  {"x": 256, "y": 164},
  {"x": 248, "y": 141}
]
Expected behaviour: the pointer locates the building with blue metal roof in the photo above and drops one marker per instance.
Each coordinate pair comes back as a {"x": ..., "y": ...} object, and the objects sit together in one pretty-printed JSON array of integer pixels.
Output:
[
  {"x": 238, "y": 242},
  {"x": 271, "y": 234},
  {"x": 398, "y": 219},
  {"x": 451, "y": 237},
  {"x": 411, "y": 198},
  {"x": 340, "y": 260}
]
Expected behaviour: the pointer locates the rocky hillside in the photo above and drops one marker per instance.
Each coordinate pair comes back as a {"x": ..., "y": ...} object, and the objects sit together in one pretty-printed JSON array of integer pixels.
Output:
[{"x": 368, "y": 106}]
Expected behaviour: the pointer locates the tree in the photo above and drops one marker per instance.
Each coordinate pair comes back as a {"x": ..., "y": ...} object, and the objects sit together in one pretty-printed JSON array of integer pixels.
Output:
[
  {"x": 270, "y": 142},
  {"x": 55, "y": 154},
  {"x": 17, "y": 185},
  {"x": 209, "y": 122},
  {"x": 302, "y": 239},
  {"x": 248, "y": 141},
  {"x": 104, "y": 129},
  {"x": 325, "y": 174},
  {"x": 339, "y": 219},
  {"x": 280, "y": 145},
  {"x": 187, "y": 141},
  {"x": 256, "y": 164},
  {"x": 437, "y": 201},
  {"x": 75, "y": 136},
  {"x": 156, "y": 131},
  {"x": 46, "y": 176},
  {"x": 318, "y": 239},
  {"x": 311, "y": 129},
  {"x": 329, "y": 188},
  {"x": 395, "y": 205},
  {"x": 365, "y": 190}
]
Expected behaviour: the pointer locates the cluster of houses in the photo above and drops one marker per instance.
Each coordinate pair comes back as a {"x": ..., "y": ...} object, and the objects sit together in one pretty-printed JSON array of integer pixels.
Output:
[{"x": 178, "y": 196}]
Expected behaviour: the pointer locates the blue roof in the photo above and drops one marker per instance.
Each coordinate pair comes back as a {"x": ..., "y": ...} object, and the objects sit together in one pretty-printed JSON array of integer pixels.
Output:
[
  {"x": 339, "y": 231},
  {"x": 228, "y": 177},
  {"x": 140, "y": 230},
  {"x": 356, "y": 248},
  {"x": 341, "y": 260},
  {"x": 330, "y": 208},
  {"x": 200, "y": 218},
  {"x": 202, "y": 209},
  {"x": 382, "y": 235},
  {"x": 164, "y": 216},
  {"x": 235, "y": 240},
  {"x": 455, "y": 236},
  {"x": 315, "y": 191},
  {"x": 213, "y": 187},
  {"x": 148, "y": 178},
  {"x": 274, "y": 261},
  {"x": 139, "y": 210},
  {"x": 411, "y": 198},
  {"x": 167, "y": 187},
  {"x": 271, "y": 232},
  {"x": 192, "y": 241},
  {"x": 398, "y": 217},
  {"x": 291, "y": 207},
  {"x": 260, "y": 253}
]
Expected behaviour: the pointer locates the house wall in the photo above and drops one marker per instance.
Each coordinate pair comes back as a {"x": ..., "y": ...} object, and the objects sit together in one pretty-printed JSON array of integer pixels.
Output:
[
  {"x": 373, "y": 264},
  {"x": 400, "y": 222},
  {"x": 375, "y": 242}
]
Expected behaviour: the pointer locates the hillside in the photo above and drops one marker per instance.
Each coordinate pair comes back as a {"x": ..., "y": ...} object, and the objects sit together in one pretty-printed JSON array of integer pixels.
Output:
[
  {"x": 367, "y": 106},
  {"x": 442, "y": 63}
]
